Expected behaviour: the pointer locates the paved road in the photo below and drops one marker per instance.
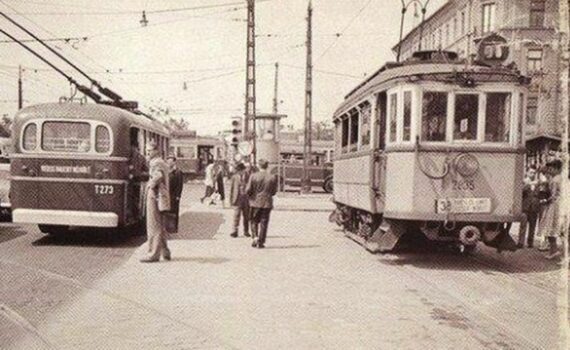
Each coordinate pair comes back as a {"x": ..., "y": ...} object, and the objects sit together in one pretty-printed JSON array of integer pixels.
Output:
[{"x": 312, "y": 288}]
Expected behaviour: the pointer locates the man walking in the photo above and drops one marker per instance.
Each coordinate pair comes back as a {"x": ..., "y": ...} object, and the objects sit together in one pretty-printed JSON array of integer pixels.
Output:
[
  {"x": 209, "y": 181},
  {"x": 260, "y": 189},
  {"x": 176, "y": 179},
  {"x": 239, "y": 200}
]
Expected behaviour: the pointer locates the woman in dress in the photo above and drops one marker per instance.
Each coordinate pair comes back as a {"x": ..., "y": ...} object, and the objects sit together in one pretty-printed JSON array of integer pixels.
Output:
[{"x": 550, "y": 223}]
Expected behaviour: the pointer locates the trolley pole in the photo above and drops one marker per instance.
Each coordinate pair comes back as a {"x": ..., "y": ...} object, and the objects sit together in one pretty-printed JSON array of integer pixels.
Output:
[
  {"x": 564, "y": 31},
  {"x": 249, "y": 115},
  {"x": 20, "y": 89},
  {"x": 307, "y": 149},
  {"x": 275, "y": 92}
]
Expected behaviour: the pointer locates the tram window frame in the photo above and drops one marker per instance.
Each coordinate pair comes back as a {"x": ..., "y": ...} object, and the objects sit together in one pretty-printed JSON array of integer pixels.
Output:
[
  {"x": 446, "y": 115},
  {"x": 393, "y": 112},
  {"x": 507, "y": 126},
  {"x": 354, "y": 117},
  {"x": 345, "y": 125},
  {"x": 479, "y": 120},
  {"x": 365, "y": 127},
  {"x": 407, "y": 116},
  {"x": 381, "y": 119},
  {"x": 522, "y": 117},
  {"x": 23, "y": 138}
]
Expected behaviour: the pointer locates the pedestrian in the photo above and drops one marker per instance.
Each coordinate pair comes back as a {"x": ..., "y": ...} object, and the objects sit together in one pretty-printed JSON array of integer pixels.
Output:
[
  {"x": 530, "y": 207},
  {"x": 550, "y": 223},
  {"x": 260, "y": 189},
  {"x": 220, "y": 172},
  {"x": 176, "y": 181},
  {"x": 138, "y": 168},
  {"x": 239, "y": 200},
  {"x": 208, "y": 181},
  {"x": 157, "y": 204}
]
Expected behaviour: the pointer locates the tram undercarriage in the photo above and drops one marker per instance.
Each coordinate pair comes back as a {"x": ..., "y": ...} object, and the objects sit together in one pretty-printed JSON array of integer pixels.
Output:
[{"x": 382, "y": 235}]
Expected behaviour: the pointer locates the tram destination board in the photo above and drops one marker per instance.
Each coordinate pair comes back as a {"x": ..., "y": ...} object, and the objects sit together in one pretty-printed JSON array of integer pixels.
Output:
[{"x": 463, "y": 205}]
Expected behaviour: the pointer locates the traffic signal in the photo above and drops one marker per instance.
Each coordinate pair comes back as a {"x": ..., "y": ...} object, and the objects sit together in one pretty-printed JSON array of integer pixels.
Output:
[{"x": 237, "y": 131}]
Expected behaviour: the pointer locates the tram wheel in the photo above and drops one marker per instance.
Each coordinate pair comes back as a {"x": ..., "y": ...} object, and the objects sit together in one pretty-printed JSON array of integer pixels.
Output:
[
  {"x": 54, "y": 230},
  {"x": 328, "y": 186}
]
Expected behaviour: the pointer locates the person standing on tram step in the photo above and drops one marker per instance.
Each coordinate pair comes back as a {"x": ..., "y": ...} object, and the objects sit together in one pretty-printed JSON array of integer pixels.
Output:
[
  {"x": 550, "y": 221},
  {"x": 208, "y": 181},
  {"x": 261, "y": 188},
  {"x": 176, "y": 182},
  {"x": 531, "y": 208},
  {"x": 138, "y": 168},
  {"x": 239, "y": 200},
  {"x": 157, "y": 203}
]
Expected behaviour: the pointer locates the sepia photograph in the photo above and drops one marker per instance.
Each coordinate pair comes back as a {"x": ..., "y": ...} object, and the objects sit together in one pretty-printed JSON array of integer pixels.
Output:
[{"x": 284, "y": 174}]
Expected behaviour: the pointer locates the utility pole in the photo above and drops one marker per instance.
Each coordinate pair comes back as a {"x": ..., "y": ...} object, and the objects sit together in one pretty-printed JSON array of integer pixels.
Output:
[
  {"x": 249, "y": 115},
  {"x": 564, "y": 215},
  {"x": 275, "y": 93},
  {"x": 307, "y": 151},
  {"x": 20, "y": 92}
]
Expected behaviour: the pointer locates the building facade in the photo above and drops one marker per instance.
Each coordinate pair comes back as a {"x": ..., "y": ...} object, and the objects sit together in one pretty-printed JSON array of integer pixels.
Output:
[{"x": 529, "y": 28}]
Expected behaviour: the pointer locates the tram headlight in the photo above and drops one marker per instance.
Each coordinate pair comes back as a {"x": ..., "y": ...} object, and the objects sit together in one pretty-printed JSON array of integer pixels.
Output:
[{"x": 466, "y": 164}]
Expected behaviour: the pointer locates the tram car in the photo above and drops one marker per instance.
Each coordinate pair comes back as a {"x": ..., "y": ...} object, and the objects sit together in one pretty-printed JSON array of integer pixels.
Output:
[
  {"x": 431, "y": 148},
  {"x": 72, "y": 166}
]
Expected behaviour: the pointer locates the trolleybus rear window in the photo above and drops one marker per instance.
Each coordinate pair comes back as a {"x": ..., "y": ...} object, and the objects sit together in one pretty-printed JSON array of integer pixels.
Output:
[
  {"x": 102, "y": 139},
  {"x": 434, "y": 116},
  {"x": 466, "y": 117},
  {"x": 498, "y": 117},
  {"x": 30, "y": 137},
  {"x": 73, "y": 137}
]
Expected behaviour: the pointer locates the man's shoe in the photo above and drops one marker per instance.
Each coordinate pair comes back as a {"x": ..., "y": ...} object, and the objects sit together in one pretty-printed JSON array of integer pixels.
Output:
[
  {"x": 148, "y": 260},
  {"x": 167, "y": 256},
  {"x": 234, "y": 235},
  {"x": 254, "y": 243},
  {"x": 261, "y": 246},
  {"x": 247, "y": 234},
  {"x": 520, "y": 246}
]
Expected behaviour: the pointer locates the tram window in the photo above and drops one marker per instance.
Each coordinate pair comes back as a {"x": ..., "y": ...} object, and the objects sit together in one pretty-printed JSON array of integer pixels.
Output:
[
  {"x": 407, "y": 116},
  {"x": 393, "y": 117},
  {"x": 521, "y": 119},
  {"x": 365, "y": 112},
  {"x": 498, "y": 117},
  {"x": 30, "y": 137},
  {"x": 345, "y": 126},
  {"x": 381, "y": 120},
  {"x": 185, "y": 152},
  {"x": 466, "y": 115},
  {"x": 434, "y": 116},
  {"x": 354, "y": 116},
  {"x": 71, "y": 137},
  {"x": 102, "y": 139}
]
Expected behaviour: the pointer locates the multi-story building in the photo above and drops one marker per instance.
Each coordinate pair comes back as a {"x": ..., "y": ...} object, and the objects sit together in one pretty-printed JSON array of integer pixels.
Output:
[{"x": 529, "y": 28}]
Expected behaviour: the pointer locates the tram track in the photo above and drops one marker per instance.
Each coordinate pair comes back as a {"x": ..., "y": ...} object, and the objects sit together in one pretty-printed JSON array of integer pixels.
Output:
[{"x": 24, "y": 324}]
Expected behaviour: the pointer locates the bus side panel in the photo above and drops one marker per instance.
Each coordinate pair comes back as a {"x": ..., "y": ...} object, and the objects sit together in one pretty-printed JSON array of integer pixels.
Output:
[
  {"x": 23, "y": 193},
  {"x": 352, "y": 182}
]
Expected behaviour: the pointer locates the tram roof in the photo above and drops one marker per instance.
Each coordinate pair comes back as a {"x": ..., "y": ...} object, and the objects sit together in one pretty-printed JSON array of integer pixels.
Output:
[
  {"x": 109, "y": 114},
  {"x": 420, "y": 70}
]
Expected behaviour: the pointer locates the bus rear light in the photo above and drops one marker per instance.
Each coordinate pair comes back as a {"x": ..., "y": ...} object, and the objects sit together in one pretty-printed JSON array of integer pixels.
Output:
[{"x": 466, "y": 164}]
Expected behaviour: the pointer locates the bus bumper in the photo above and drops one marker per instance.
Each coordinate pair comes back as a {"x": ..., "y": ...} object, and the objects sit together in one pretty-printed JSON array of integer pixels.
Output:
[{"x": 65, "y": 217}]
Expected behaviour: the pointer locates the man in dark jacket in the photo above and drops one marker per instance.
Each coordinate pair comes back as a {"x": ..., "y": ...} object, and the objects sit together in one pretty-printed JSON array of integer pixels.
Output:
[
  {"x": 176, "y": 185},
  {"x": 260, "y": 189},
  {"x": 239, "y": 200},
  {"x": 530, "y": 207}
]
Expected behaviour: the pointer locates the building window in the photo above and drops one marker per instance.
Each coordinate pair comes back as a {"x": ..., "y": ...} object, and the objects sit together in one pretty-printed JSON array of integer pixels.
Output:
[
  {"x": 447, "y": 34},
  {"x": 454, "y": 28},
  {"x": 434, "y": 116},
  {"x": 489, "y": 17},
  {"x": 498, "y": 117},
  {"x": 537, "y": 11},
  {"x": 534, "y": 61},
  {"x": 462, "y": 23},
  {"x": 439, "y": 43},
  {"x": 531, "y": 111},
  {"x": 466, "y": 117}
]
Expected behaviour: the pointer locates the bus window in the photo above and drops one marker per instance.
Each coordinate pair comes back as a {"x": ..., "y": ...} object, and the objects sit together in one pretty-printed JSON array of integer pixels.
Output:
[
  {"x": 393, "y": 117},
  {"x": 354, "y": 116},
  {"x": 365, "y": 112},
  {"x": 102, "y": 139},
  {"x": 498, "y": 117},
  {"x": 345, "y": 127},
  {"x": 434, "y": 116},
  {"x": 30, "y": 137},
  {"x": 407, "y": 116},
  {"x": 73, "y": 137},
  {"x": 466, "y": 115}
]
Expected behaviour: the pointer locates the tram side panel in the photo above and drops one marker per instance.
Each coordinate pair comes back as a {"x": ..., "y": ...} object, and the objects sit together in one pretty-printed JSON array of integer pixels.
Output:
[{"x": 353, "y": 183}]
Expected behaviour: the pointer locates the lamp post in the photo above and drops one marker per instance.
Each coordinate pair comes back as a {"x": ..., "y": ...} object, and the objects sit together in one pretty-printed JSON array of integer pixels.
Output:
[{"x": 405, "y": 4}]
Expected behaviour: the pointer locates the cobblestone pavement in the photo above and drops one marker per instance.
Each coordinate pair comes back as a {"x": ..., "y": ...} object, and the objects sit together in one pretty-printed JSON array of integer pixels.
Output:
[{"x": 311, "y": 288}]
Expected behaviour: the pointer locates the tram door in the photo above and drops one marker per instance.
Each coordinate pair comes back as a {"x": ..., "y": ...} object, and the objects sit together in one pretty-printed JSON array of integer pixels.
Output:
[
  {"x": 379, "y": 157},
  {"x": 205, "y": 156}
]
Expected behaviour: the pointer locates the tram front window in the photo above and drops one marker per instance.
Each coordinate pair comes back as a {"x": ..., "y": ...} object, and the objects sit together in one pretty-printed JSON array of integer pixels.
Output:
[
  {"x": 71, "y": 137},
  {"x": 498, "y": 117},
  {"x": 434, "y": 116},
  {"x": 466, "y": 115}
]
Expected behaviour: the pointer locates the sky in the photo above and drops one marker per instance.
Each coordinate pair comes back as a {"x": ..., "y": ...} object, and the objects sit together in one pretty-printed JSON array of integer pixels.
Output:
[{"x": 200, "y": 45}]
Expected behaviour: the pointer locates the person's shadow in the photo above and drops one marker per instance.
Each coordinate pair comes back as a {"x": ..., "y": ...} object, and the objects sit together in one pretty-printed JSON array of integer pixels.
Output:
[{"x": 198, "y": 225}]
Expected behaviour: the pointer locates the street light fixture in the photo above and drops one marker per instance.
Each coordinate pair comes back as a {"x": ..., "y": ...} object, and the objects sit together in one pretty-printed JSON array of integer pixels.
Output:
[{"x": 405, "y": 4}]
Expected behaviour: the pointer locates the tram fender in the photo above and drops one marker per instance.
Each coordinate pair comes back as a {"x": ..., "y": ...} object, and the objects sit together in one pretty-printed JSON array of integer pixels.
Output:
[{"x": 386, "y": 237}]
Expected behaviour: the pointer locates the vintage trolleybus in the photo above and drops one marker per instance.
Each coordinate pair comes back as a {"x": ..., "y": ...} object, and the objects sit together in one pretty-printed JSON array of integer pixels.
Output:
[
  {"x": 431, "y": 148},
  {"x": 73, "y": 165}
]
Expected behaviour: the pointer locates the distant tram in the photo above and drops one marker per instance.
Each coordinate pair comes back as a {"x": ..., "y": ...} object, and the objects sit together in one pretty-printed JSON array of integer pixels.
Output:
[
  {"x": 71, "y": 165},
  {"x": 431, "y": 148}
]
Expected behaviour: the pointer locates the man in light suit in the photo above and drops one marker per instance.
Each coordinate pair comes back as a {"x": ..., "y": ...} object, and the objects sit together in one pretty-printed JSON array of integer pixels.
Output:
[
  {"x": 261, "y": 188},
  {"x": 157, "y": 204},
  {"x": 239, "y": 200}
]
